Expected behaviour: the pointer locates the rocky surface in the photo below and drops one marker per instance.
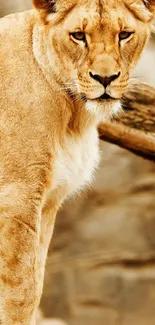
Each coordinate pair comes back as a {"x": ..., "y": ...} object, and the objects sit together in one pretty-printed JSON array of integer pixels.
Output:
[
  {"x": 10, "y": 6},
  {"x": 145, "y": 70},
  {"x": 41, "y": 320},
  {"x": 101, "y": 266}
]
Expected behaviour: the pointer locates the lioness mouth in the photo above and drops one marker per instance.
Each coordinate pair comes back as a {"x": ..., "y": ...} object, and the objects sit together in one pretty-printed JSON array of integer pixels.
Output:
[{"x": 105, "y": 96}]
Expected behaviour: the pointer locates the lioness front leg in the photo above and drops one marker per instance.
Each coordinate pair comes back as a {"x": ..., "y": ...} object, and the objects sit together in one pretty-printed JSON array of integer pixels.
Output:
[
  {"x": 48, "y": 217},
  {"x": 19, "y": 267}
]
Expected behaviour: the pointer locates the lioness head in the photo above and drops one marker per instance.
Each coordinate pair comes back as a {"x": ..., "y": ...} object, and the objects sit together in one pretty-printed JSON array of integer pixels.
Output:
[{"x": 94, "y": 44}]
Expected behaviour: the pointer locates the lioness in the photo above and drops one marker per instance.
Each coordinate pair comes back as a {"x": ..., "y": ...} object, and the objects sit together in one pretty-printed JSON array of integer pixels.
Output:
[{"x": 64, "y": 66}]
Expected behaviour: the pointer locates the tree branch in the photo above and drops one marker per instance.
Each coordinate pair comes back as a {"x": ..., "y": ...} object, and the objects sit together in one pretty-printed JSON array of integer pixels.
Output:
[{"x": 135, "y": 128}]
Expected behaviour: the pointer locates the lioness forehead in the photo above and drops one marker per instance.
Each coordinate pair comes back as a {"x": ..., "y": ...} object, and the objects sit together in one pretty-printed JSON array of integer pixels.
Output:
[
  {"x": 100, "y": 12},
  {"x": 88, "y": 14},
  {"x": 91, "y": 14}
]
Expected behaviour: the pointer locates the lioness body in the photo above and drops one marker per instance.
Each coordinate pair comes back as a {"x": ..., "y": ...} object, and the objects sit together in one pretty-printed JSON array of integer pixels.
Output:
[
  {"x": 38, "y": 154},
  {"x": 48, "y": 134},
  {"x": 42, "y": 124}
]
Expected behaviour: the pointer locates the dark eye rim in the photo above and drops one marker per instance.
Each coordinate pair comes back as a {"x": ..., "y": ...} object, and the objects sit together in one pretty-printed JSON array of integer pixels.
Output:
[
  {"x": 128, "y": 34},
  {"x": 74, "y": 34}
]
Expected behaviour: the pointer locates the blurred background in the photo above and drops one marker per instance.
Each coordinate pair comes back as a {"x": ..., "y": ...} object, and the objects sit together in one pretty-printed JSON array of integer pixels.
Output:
[{"x": 101, "y": 264}]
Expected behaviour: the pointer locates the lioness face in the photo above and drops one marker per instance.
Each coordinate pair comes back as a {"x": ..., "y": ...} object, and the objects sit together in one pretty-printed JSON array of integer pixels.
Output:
[{"x": 96, "y": 44}]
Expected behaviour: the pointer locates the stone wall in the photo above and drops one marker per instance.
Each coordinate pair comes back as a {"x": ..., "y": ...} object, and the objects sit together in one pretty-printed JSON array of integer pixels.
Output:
[
  {"x": 101, "y": 265},
  {"x": 9, "y": 6}
]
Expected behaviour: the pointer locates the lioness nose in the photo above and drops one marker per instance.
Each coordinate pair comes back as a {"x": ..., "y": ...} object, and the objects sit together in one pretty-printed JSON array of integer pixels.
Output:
[{"x": 105, "y": 81}]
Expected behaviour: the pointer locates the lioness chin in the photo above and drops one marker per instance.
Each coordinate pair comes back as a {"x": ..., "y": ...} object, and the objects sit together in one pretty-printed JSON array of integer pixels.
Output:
[{"x": 64, "y": 66}]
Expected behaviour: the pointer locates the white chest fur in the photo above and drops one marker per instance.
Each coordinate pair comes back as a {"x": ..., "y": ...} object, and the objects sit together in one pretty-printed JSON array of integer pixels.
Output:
[{"x": 76, "y": 161}]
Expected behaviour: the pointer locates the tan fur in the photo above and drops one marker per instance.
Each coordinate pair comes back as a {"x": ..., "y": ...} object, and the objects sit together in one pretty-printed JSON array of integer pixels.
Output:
[{"x": 48, "y": 134}]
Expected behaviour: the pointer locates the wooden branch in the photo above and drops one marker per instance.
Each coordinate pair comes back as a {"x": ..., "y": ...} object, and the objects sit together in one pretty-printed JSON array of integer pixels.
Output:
[{"x": 135, "y": 128}]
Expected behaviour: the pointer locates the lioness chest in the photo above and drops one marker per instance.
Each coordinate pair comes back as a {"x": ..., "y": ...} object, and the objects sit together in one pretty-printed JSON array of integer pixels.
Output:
[{"x": 76, "y": 161}]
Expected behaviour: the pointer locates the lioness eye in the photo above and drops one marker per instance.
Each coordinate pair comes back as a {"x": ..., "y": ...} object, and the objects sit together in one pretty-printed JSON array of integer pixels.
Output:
[
  {"x": 79, "y": 36},
  {"x": 124, "y": 35}
]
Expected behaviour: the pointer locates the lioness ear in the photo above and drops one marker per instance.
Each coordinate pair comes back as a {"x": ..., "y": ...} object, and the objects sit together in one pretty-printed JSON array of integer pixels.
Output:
[
  {"x": 47, "y": 6},
  {"x": 150, "y": 4}
]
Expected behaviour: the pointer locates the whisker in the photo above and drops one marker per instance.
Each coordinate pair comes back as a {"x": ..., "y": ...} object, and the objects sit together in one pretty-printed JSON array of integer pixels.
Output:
[{"x": 72, "y": 89}]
